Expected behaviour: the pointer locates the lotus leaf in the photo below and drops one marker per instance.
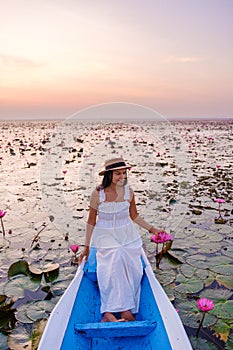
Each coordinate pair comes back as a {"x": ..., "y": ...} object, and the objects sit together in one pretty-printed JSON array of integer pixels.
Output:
[
  {"x": 224, "y": 309},
  {"x": 16, "y": 285},
  {"x": 187, "y": 270},
  {"x": 169, "y": 293},
  {"x": 39, "y": 309},
  {"x": 37, "y": 331},
  {"x": 173, "y": 258},
  {"x": 188, "y": 285},
  {"x": 199, "y": 261},
  {"x": 222, "y": 329},
  {"x": 229, "y": 344},
  {"x": 19, "y": 339},
  {"x": 19, "y": 267},
  {"x": 3, "y": 342},
  {"x": 165, "y": 277},
  {"x": 202, "y": 344},
  {"x": 66, "y": 273},
  {"x": 226, "y": 281},
  {"x": 227, "y": 250},
  {"x": 58, "y": 288},
  {"x": 218, "y": 260},
  {"x": 39, "y": 268},
  {"x": 203, "y": 274},
  {"x": 209, "y": 247},
  {"x": 222, "y": 269},
  {"x": 216, "y": 294},
  {"x": 21, "y": 313}
]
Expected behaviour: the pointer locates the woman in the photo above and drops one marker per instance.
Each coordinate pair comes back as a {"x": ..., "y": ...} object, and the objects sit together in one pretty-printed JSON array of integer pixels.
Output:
[{"x": 117, "y": 242}]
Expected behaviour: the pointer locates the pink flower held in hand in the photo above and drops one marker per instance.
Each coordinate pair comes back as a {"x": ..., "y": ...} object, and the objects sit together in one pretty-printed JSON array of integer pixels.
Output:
[
  {"x": 219, "y": 200},
  {"x": 161, "y": 237},
  {"x": 2, "y": 213},
  {"x": 205, "y": 305},
  {"x": 75, "y": 248}
]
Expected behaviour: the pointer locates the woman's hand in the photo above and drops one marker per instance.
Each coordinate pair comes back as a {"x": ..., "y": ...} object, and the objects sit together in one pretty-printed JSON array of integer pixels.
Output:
[
  {"x": 84, "y": 254},
  {"x": 154, "y": 230}
]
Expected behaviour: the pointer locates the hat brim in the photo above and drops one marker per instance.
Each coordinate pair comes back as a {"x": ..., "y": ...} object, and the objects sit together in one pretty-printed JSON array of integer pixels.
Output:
[{"x": 102, "y": 172}]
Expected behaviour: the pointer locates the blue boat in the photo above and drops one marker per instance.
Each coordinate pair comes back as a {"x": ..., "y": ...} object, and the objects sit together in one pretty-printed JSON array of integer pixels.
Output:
[{"x": 75, "y": 322}]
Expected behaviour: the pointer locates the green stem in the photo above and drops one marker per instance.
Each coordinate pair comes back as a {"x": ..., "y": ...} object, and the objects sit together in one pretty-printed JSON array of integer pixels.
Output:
[
  {"x": 198, "y": 330},
  {"x": 3, "y": 230}
]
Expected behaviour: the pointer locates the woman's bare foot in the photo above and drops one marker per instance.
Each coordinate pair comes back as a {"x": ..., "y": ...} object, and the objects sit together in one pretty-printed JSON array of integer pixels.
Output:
[
  {"x": 109, "y": 317},
  {"x": 127, "y": 315}
]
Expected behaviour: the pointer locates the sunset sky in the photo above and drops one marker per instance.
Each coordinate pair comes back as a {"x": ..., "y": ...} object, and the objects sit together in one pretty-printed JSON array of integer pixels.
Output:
[{"x": 59, "y": 56}]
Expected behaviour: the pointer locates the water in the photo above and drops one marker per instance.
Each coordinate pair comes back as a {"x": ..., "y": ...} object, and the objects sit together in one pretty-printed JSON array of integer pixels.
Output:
[{"x": 48, "y": 170}]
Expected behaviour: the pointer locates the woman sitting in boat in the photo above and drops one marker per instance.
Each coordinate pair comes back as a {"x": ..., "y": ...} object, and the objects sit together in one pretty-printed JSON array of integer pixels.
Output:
[{"x": 117, "y": 242}]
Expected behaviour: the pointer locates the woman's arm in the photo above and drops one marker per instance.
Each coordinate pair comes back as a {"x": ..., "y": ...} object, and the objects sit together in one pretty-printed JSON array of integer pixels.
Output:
[
  {"x": 138, "y": 219},
  {"x": 91, "y": 221}
]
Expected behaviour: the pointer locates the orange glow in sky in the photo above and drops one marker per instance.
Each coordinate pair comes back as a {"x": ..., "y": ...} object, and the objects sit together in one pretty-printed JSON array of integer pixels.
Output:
[{"x": 57, "y": 57}]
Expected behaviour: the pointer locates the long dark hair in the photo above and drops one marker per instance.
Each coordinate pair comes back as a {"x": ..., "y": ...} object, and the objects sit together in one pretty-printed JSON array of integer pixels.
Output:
[{"x": 107, "y": 180}]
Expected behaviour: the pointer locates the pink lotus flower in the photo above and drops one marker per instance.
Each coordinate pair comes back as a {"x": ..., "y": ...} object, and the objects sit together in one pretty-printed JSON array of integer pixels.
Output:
[
  {"x": 205, "y": 305},
  {"x": 219, "y": 200},
  {"x": 2, "y": 213},
  {"x": 161, "y": 237},
  {"x": 75, "y": 248}
]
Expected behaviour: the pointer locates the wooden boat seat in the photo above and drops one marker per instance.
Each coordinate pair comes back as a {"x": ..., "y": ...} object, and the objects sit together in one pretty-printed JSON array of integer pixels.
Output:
[{"x": 115, "y": 329}]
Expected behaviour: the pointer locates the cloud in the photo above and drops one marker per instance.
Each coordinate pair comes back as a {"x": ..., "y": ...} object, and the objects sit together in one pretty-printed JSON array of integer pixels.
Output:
[
  {"x": 182, "y": 59},
  {"x": 17, "y": 61}
]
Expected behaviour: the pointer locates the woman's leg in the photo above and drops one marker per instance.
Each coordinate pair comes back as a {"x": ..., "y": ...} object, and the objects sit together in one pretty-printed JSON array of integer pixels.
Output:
[
  {"x": 127, "y": 315},
  {"x": 109, "y": 317}
]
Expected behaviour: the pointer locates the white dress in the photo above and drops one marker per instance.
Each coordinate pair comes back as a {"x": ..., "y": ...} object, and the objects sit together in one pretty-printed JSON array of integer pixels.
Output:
[{"x": 118, "y": 254}]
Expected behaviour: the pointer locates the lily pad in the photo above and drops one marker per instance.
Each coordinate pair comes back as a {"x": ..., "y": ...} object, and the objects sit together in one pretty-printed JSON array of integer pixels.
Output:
[
  {"x": 37, "y": 331},
  {"x": 198, "y": 261},
  {"x": 229, "y": 344},
  {"x": 201, "y": 344},
  {"x": 188, "y": 285},
  {"x": 226, "y": 281},
  {"x": 19, "y": 339},
  {"x": 50, "y": 270},
  {"x": 21, "y": 313},
  {"x": 174, "y": 258},
  {"x": 222, "y": 329},
  {"x": 216, "y": 294},
  {"x": 203, "y": 275},
  {"x": 19, "y": 267},
  {"x": 3, "y": 341},
  {"x": 16, "y": 285},
  {"x": 222, "y": 269},
  {"x": 210, "y": 247},
  {"x": 39, "y": 309},
  {"x": 224, "y": 309},
  {"x": 187, "y": 270},
  {"x": 165, "y": 277}
]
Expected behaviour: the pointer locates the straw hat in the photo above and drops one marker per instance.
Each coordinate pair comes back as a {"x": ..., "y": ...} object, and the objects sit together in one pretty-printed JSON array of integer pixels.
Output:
[{"x": 114, "y": 164}]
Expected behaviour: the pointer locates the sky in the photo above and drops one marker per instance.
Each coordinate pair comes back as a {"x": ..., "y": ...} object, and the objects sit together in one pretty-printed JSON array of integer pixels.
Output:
[{"x": 60, "y": 56}]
